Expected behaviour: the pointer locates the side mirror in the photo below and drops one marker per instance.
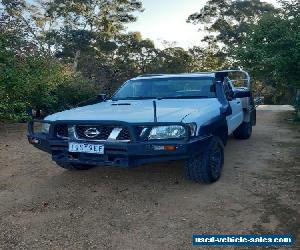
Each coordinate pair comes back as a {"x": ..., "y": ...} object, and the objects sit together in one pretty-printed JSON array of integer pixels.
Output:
[
  {"x": 241, "y": 93},
  {"x": 35, "y": 113},
  {"x": 101, "y": 97}
]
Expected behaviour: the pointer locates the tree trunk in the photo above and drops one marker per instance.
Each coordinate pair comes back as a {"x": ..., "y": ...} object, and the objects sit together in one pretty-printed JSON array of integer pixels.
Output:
[{"x": 76, "y": 58}]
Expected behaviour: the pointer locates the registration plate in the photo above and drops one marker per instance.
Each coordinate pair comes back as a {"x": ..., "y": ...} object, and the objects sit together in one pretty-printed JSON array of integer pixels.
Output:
[{"x": 86, "y": 148}]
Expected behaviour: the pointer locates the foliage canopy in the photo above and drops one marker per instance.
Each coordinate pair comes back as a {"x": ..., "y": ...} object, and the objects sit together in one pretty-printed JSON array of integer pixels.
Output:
[{"x": 55, "y": 54}]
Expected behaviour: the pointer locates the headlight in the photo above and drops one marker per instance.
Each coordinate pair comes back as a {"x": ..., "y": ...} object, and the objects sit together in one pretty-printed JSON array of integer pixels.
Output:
[
  {"x": 167, "y": 132},
  {"x": 45, "y": 128}
]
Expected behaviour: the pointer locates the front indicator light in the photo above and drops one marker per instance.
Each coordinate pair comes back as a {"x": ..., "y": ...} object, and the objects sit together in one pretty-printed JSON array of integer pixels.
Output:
[
  {"x": 164, "y": 147},
  {"x": 45, "y": 128},
  {"x": 170, "y": 148}
]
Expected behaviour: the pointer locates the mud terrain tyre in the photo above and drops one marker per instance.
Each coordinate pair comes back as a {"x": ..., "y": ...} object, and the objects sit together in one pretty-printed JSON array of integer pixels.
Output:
[
  {"x": 71, "y": 166},
  {"x": 206, "y": 166},
  {"x": 244, "y": 131}
]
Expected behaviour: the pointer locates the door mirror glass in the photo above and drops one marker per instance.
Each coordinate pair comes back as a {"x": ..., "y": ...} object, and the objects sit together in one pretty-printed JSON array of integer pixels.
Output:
[
  {"x": 36, "y": 113},
  {"x": 102, "y": 97},
  {"x": 93, "y": 100},
  {"x": 241, "y": 93}
]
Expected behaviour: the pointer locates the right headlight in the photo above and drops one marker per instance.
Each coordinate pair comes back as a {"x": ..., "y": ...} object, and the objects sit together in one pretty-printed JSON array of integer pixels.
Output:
[
  {"x": 167, "y": 132},
  {"x": 41, "y": 127},
  {"x": 45, "y": 128}
]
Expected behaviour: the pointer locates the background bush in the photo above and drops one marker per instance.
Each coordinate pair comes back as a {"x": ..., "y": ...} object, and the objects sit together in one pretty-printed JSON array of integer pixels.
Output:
[
  {"x": 56, "y": 54},
  {"x": 39, "y": 82}
]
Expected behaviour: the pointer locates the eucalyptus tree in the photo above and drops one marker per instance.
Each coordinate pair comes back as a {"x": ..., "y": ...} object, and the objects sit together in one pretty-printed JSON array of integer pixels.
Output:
[
  {"x": 272, "y": 51},
  {"x": 227, "y": 22}
]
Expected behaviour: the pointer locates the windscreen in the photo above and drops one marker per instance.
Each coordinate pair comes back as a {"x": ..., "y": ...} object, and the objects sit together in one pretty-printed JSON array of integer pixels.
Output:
[{"x": 181, "y": 87}]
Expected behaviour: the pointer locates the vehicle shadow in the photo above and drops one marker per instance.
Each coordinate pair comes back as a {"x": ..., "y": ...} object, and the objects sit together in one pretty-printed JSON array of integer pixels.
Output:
[
  {"x": 168, "y": 173},
  {"x": 111, "y": 188}
]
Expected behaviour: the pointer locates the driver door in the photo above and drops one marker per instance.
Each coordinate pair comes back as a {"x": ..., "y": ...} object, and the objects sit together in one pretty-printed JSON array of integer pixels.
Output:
[{"x": 236, "y": 118}]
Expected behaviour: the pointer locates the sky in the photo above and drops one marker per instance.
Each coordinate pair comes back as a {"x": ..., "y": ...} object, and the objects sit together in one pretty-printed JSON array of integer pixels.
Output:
[{"x": 166, "y": 20}]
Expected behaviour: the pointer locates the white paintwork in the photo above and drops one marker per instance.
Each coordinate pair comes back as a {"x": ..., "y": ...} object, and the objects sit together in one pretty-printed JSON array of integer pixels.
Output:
[
  {"x": 177, "y": 75},
  {"x": 236, "y": 118},
  {"x": 168, "y": 110}
]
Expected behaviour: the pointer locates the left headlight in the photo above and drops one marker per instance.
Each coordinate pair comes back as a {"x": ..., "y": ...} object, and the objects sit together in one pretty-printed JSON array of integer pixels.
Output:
[
  {"x": 45, "y": 128},
  {"x": 167, "y": 132}
]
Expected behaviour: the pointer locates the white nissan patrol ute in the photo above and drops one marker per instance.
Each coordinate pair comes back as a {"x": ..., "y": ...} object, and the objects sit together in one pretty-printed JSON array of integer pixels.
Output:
[{"x": 154, "y": 118}]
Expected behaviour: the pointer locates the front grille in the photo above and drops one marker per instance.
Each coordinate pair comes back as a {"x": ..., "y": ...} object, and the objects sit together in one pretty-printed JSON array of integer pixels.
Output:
[
  {"x": 103, "y": 131},
  {"x": 124, "y": 135},
  {"x": 99, "y": 132},
  {"x": 61, "y": 130}
]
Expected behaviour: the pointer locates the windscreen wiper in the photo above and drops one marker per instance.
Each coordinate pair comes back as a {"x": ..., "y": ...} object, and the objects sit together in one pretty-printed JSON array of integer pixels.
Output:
[
  {"x": 183, "y": 97},
  {"x": 160, "y": 97},
  {"x": 135, "y": 98}
]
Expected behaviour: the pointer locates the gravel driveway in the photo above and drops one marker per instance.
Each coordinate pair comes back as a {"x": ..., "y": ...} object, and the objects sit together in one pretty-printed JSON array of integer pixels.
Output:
[{"x": 45, "y": 207}]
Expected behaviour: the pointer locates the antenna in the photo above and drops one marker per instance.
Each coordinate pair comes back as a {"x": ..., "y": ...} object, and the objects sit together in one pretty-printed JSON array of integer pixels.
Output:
[{"x": 154, "y": 109}]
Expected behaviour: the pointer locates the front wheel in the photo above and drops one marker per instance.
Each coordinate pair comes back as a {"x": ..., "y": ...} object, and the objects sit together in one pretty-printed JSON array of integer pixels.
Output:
[
  {"x": 72, "y": 166},
  {"x": 206, "y": 166}
]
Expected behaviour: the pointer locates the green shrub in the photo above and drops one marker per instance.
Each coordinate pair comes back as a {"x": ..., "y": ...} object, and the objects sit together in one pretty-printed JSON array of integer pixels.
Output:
[{"x": 39, "y": 82}]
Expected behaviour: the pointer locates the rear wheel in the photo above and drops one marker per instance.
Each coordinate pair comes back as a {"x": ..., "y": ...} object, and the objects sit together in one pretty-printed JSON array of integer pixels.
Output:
[
  {"x": 244, "y": 131},
  {"x": 72, "y": 166},
  {"x": 206, "y": 166}
]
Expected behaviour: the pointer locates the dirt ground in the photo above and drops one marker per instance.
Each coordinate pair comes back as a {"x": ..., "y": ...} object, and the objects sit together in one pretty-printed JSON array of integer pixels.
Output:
[{"x": 45, "y": 207}]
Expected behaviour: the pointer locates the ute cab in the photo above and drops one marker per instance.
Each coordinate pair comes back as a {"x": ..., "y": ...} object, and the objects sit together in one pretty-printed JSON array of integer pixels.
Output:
[{"x": 153, "y": 118}]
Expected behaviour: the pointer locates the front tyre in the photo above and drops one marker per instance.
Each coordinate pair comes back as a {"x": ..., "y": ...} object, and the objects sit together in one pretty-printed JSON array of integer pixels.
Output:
[
  {"x": 206, "y": 166},
  {"x": 72, "y": 166},
  {"x": 244, "y": 131}
]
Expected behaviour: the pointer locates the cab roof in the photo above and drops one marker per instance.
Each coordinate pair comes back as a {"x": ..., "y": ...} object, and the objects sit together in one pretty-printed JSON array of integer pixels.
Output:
[
  {"x": 150, "y": 76},
  {"x": 219, "y": 75}
]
